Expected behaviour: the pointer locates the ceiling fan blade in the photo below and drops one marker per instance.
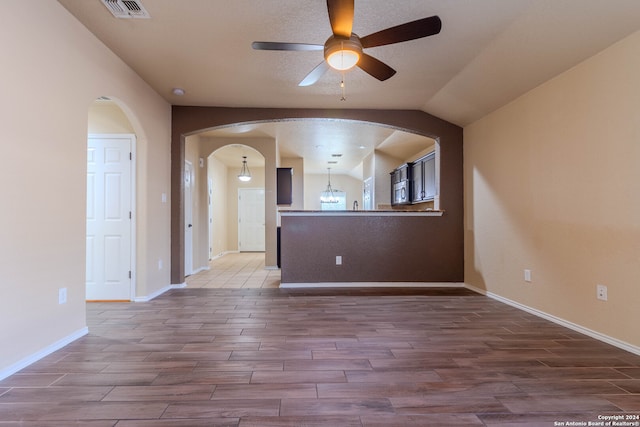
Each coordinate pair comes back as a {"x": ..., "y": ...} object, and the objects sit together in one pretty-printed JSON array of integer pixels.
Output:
[
  {"x": 341, "y": 17},
  {"x": 285, "y": 46},
  {"x": 404, "y": 32},
  {"x": 375, "y": 67},
  {"x": 315, "y": 74}
]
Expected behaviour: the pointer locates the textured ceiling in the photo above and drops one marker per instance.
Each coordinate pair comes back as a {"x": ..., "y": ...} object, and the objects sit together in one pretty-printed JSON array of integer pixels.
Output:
[{"x": 488, "y": 53}]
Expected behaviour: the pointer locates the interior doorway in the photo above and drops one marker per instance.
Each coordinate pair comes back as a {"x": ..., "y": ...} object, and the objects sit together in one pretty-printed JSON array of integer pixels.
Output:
[
  {"x": 188, "y": 218},
  {"x": 228, "y": 220},
  {"x": 110, "y": 218}
]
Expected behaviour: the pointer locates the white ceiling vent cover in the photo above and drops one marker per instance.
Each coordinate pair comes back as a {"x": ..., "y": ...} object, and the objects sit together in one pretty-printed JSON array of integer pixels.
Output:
[{"x": 126, "y": 9}]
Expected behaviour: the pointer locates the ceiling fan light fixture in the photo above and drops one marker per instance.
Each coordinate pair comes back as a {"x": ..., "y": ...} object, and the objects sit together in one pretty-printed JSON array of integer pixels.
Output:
[
  {"x": 343, "y": 60},
  {"x": 343, "y": 54}
]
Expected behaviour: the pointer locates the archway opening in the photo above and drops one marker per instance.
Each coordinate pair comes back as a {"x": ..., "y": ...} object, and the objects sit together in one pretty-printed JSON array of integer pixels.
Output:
[
  {"x": 221, "y": 221},
  {"x": 193, "y": 120},
  {"x": 110, "y": 215}
]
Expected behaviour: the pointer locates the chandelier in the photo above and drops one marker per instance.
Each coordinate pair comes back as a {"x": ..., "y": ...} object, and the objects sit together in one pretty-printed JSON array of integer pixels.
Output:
[{"x": 327, "y": 195}]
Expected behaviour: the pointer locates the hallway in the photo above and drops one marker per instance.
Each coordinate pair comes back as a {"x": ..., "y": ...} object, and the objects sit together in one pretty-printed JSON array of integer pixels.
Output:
[{"x": 236, "y": 270}]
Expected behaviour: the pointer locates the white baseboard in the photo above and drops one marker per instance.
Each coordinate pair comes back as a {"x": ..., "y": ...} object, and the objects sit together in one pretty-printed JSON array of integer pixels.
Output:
[
  {"x": 559, "y": 321},
  {"x": 221, "y": 254},
  {"x": 199, "y": 269},
  {"x": 156, "y": 294},
  {"x": 374, "y": 285},
  {"x": 21, "y": 364}
]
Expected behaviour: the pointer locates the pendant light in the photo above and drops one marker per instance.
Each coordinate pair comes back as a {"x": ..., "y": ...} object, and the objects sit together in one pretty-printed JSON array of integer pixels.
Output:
[
  {"x": 327, "y": 195},
  {"x": 245, "y": 173}
]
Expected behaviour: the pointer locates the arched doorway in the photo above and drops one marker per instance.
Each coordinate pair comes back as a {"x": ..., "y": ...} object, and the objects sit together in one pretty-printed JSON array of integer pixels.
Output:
[
  {"x": 192, "y": 120},
  {"x": 237, "y": 206},
  {"x": 215, "y": 205},
  {"x": 110, "y": 216}
]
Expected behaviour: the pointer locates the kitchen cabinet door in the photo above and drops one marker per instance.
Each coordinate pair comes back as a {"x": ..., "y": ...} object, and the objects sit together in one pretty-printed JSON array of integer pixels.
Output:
[
  {"x": 429, "y": 171},
  {"x": 284, "y": 186},
  {"x": 417, "y": 169},
  {"x": 423, "y": 179}
]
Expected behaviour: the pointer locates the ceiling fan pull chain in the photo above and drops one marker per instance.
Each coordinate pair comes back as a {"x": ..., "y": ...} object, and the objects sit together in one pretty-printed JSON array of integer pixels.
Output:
[{"x": 344, "y": 94}]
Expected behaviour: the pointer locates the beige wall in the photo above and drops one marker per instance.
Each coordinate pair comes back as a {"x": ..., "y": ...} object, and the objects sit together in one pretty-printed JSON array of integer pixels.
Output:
[
  {"x": 107, "y": 117},
  {"x": 218, "y": 174},
  {"x": 552, "y": 184},
  {"x": 52, "y": 72},
  {"x": 383, "y": 165}
]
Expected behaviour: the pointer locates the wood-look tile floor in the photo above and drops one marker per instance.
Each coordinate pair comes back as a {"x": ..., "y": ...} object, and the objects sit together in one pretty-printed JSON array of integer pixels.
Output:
[{"x": 332, "y": 357}]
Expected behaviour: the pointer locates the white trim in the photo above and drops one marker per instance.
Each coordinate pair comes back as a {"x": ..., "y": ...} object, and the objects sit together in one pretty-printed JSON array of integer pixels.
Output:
[
  {"x": 557, "y": 320},
  {"x": 21, "y": 364},
  {"x": 199, "y": 269},
  {"x": 221, "y": 254},
  {"x": 134, "y": 227},
  {"x": 374, "y": 285},
  {"x": 156, "y": 294}
]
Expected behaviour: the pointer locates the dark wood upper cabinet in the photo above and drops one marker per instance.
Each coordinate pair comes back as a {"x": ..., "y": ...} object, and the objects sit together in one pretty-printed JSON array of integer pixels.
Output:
[
  {"x": 284, "y": 186},
  {"x": 423, "y": 178}
]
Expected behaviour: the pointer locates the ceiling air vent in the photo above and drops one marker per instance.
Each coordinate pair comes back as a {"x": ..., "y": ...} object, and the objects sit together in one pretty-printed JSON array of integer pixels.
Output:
[{"x": 126, "y": 9}]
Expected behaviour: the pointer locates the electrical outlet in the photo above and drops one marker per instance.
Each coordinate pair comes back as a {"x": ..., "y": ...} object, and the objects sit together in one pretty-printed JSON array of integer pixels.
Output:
[
  {"x": 527, "y": 275},
  {"x": 601, "y": 292},
  {"x": 62, "y": 296},
  {"x": 338, "y": 260}
]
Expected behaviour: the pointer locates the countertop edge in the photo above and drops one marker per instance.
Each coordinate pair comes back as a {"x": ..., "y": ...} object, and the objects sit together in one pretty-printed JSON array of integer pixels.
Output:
[{"x": 361, "y": 213}]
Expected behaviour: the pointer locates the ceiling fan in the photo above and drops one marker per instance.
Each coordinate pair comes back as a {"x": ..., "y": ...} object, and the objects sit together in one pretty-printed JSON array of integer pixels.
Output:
[{"x": 343, "y": 49}]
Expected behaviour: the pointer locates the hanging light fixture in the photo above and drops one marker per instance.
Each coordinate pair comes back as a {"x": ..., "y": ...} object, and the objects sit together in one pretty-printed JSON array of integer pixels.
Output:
[
  {"x": 245, "y": 173},
  {"x": 327, "y": 195}
]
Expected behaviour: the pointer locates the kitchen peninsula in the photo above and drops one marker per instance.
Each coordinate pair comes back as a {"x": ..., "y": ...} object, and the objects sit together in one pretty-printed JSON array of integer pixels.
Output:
[{"x": 367, "y": 248}]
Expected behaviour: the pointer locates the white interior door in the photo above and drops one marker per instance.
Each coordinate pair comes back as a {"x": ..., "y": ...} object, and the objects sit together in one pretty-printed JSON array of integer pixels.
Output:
[
  {"x": 109, "y": 218},
  {"x": 188, "y": 218},
  {"x": 251, "y": 229}
]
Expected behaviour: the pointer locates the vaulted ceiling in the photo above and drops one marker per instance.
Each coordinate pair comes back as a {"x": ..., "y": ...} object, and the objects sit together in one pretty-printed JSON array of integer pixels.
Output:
[{"x": 488, "y": 53}]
